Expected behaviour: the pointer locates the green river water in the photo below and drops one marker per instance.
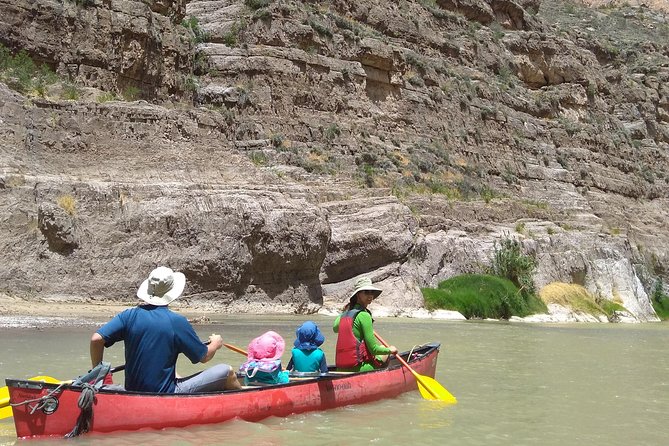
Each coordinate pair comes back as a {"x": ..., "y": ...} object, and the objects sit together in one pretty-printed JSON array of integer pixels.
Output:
[{"x": 517, "y": 384}]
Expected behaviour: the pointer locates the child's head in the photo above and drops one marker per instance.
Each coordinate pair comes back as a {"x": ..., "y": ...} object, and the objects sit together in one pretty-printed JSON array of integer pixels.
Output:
[
  {"x": 308, "y": 336},
  {"x": 269, "y": 346}
]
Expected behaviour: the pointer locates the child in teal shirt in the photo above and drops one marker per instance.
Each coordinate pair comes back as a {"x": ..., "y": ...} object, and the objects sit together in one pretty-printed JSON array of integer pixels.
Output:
[{"x": 307, "y": 356}]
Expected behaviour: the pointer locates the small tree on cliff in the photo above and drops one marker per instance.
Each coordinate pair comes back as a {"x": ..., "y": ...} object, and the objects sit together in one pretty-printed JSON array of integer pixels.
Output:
[{"x": 508, "y": 261}]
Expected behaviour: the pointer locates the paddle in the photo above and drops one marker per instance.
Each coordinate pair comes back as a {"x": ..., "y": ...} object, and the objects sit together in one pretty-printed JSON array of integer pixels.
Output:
[
  {"x": 236, "y": 349},
  {"x": 429, "y": 388}
]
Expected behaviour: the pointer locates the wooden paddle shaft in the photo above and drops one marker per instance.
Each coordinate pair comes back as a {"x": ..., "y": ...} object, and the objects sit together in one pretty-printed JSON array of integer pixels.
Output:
[
  {"x": 399, "y": 358},
  {"x": 236, "y": 349}
]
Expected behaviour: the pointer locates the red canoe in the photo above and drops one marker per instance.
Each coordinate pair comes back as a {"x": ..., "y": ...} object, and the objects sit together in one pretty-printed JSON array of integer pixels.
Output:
[{"x": 55, "y": 413}]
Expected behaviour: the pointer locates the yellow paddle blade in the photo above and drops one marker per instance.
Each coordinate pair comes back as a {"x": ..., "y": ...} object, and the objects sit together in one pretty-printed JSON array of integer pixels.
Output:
[
  {"x": 4, "y": 396},
  {"x": 430, "y": 389},
  {"x": 6, "y": 412}
]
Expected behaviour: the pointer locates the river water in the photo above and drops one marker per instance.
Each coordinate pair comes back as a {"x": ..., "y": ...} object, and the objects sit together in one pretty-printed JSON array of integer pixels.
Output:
[{"x": 517, "y": 384}]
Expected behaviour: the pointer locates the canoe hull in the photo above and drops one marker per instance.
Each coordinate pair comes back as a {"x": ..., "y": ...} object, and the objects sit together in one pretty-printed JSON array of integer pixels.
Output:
[{"x": 127, "y": 411}]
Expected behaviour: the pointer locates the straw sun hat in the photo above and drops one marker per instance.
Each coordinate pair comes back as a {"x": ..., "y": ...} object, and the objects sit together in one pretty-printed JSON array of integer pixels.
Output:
[
  {"x": 162, "y": 287},
  {"x": 365, "y": 284}
]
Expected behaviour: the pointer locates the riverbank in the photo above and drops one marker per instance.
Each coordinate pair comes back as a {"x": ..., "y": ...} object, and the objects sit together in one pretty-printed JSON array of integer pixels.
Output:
[{"x": 22, "y": 313}]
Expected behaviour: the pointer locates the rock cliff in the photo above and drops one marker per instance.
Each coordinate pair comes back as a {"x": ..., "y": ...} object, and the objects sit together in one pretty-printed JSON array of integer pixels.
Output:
[{"x": 281, "y": 148}]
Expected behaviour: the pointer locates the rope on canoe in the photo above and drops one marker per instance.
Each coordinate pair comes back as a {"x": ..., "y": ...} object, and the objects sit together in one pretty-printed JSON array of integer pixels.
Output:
[
  {"x": 90, "y": 384},
  {"x": 85, "y": 418},
  {"x": 41, "y": 401}
]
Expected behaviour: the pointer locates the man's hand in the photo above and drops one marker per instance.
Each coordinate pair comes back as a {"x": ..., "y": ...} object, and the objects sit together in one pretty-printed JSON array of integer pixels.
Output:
[
  {"x": 393, "y": 349},
  {"x": 216, "y": 341}
]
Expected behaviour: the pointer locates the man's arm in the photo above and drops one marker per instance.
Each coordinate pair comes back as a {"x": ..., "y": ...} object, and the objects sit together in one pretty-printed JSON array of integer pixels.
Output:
[
  {"x": 97, "y": 349},
  {"x": 215, "y": 343}
]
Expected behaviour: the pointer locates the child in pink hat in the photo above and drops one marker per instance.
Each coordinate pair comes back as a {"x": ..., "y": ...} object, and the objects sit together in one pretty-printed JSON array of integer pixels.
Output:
[{"x": 263, "y": 366}]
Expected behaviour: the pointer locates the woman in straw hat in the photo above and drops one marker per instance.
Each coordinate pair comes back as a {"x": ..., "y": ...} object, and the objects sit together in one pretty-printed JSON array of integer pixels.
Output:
[
  {"x": 154, "y": 336},
  {"x": 357, "y": 348}
]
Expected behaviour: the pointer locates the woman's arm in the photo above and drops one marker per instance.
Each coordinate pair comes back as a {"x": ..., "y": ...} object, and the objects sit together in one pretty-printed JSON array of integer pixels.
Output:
[
  {"x": 366, "y": 327},
  {"x": 335, "y": 326}
]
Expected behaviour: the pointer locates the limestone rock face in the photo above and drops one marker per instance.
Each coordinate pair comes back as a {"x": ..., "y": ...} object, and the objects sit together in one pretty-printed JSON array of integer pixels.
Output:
[
  {"x": 113, "y": 45},
  {"x": 232, "y": 244},
  {"x": 57, "y": 228},
  {"x": 366, "y": 235},
  {"x": 289, "y": 149}
]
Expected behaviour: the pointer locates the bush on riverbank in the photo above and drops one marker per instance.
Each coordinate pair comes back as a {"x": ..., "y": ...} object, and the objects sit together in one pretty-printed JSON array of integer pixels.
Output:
[
  {"x": 578, "y": 299},
  {"x": 660, "y": 301},
  {"x": 482, "y": 296},
  {"x": 510, "y": 262}
]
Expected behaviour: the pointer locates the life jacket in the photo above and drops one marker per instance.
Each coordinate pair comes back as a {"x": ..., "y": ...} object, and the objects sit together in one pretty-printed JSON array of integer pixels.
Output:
[{"x": 350, "y": 351}]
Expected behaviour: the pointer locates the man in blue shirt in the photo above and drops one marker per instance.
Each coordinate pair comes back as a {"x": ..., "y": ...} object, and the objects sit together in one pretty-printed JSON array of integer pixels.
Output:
[{"x": 154, "y": 336}]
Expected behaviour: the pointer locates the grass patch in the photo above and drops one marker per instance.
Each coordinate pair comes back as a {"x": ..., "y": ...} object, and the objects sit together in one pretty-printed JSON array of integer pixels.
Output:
[
  {"x": 482, "y": 296},
  {"x": 571, "y": 296},
  {"x": 578, "y": 299},
  {"x": 68, "y": 204}
]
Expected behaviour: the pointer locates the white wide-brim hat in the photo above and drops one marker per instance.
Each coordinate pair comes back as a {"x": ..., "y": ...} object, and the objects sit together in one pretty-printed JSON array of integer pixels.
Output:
[
  {"x": 162, "y": 287},
  {"x": 365, "y": 284}
]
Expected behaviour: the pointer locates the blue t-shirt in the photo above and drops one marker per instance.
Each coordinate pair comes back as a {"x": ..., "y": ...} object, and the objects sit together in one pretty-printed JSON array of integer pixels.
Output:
[
  {"x": 308, "y": 361},
  {"x": 153, "y": 337}
]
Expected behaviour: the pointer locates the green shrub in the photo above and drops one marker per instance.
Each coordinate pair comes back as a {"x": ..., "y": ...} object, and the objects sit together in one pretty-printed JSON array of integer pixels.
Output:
[
  {"x": 660, "y": 301},
  {"x": 609, "y": 307},
  {"x": 331, "y": 132},
  {"x": 106, "y": 97},
  {"x": 131, "y": 93},
  {"x": 192, "y": 24},
  {"x": 258, "y": 158},
  {"x": 70, "y": 92},
  {"x": 22, "y": 74},
  {"x": 232, "y": 36},
  {"x": 509, "y": 262},
  {"x": 257, "y": 4},
  {"x": 277, "y": 139},
  {"x": 321, "y": 28},
  {"x": 481, "y": 296}
]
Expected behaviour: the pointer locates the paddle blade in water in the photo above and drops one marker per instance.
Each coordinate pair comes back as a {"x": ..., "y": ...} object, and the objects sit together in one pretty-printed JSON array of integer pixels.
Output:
[{"x": 430, "y": 389}]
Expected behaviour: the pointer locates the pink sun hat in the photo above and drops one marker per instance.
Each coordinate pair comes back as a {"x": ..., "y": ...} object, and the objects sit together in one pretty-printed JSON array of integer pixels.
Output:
[{"x": 268, "y": 346}]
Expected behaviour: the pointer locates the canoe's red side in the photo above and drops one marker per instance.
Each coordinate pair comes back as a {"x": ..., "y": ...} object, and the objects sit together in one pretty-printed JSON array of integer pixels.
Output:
[{"x": 123, "y": 411}]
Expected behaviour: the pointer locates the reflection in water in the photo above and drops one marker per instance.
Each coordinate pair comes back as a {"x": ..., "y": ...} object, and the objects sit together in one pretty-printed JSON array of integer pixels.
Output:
[
  {"x": 432, "y": 414},
  {"x": 516, "y": 384}
]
